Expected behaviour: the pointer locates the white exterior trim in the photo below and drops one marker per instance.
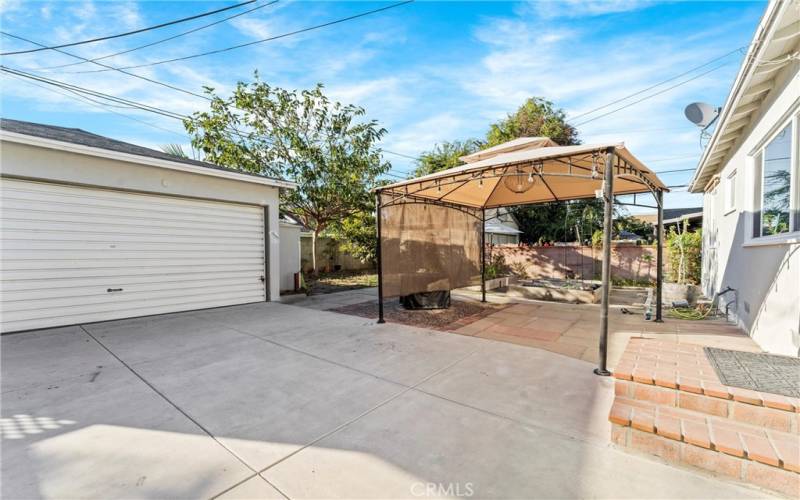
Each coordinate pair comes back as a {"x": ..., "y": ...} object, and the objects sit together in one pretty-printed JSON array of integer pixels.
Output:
[{"x": 143, "y": 160}]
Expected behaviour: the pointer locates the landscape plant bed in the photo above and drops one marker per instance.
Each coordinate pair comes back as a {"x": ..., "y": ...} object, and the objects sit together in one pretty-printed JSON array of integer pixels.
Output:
[
  {"x": 458, "y": 315},
  {"x": 572, "y": 291}
]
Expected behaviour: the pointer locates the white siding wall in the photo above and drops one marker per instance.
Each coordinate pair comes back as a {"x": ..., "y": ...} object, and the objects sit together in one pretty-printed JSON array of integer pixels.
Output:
[
  {"x": 766, "y": 276},
  {"x": 38, "y": 163},
  {"x": 75, "y": 254}
]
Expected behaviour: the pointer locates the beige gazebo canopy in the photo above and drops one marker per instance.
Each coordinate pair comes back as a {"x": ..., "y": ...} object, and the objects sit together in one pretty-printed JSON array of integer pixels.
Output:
[
  {"x": 431, "y": 228},
  {"x": 500, "y": 176}
]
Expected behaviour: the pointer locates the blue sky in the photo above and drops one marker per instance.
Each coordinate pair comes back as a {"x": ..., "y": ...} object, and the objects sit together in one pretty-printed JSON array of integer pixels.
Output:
[{"x": 428, "y": 71}]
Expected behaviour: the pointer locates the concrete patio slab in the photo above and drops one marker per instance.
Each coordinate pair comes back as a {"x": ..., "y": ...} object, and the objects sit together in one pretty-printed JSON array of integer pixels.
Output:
[
  {"x": 158, "y": 337},
  {"x": 264, "y": 401},
  {"x": 105, "y": 435},
  {"x": 393, "y": 352},
  {"x": 531, "y": 386},
  {"x": 70, "y": 353},
  {"x": 253, "y": 488},
  {"x": 395, "y": 453},
  {"x": 322, "y": 404}
]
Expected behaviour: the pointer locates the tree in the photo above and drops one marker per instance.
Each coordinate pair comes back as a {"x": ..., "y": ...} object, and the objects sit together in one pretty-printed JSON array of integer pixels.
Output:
[
  {"x": 536, "y": 117},
  {"x": 327, "y": 148},
  {"x": 356, "y": 235},
  {"x": 445, "y": 155},
  {"x": 177, "y": 150},
  {"x": 634, "y": 225},
  {"x": 559, "y": 221}
]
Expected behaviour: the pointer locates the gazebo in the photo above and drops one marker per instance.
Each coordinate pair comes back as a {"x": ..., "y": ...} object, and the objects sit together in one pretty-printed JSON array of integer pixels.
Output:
[{"x": 431, "y": 228}]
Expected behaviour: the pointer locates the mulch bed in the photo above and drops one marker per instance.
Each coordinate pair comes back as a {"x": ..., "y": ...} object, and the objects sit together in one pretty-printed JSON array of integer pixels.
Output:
[{"x": 458, "y": 315}]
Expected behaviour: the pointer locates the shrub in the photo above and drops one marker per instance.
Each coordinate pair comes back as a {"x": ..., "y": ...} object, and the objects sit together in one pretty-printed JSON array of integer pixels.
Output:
[
  {"x": 685, "y": 256},
  {"x": 497, "y": 267}
]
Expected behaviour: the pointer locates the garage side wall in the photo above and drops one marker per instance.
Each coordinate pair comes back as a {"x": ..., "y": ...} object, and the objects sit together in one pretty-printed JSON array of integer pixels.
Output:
[{"x": 51, "y": 165}]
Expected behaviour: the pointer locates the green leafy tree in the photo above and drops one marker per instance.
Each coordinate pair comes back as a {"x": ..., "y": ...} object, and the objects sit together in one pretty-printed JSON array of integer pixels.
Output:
[
  {"x": 685, "y": 256},
  {"x": 445, "y": 155},
  {"x": 536, "y": 117},
  {"x": 327, "y": 148},
  {"x": 575, "y": 221},
  {"x": 634, "y": 225},
  {"x": 177, "y": 150},
  {"x": 566, "y": 221},
  {"x": 356, "y": 235}
]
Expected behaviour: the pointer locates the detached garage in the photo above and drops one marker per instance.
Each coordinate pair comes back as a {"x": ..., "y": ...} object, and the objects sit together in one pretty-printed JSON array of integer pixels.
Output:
[{"x": 95, "y": 229}]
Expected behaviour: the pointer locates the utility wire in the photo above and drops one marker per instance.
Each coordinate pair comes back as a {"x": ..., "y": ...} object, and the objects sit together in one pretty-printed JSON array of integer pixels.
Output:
[
  {"x": 659, "y": 83},
  {"x": 94, "y": 93},
  {"x": 715, "y": 68},
  {"x": 120, "y": 35},
  {"x": 103, "y": 106},
  {"x": 140, "y": 77},
  {"x": 670, "y": 158},
  {"x": 255, "y": 42},
  {"x": 173, "y": 37}
]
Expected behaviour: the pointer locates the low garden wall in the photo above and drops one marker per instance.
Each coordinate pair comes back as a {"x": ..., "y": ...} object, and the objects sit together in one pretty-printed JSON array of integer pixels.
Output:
[{"x": 629, "y": 262}]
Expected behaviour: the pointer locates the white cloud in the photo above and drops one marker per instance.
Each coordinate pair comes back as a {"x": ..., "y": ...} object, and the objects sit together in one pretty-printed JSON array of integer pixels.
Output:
[
  {"x": 128, "y": 14},
  {"x": 549, "y": 9},
  {"x": 255, "y": 28}
]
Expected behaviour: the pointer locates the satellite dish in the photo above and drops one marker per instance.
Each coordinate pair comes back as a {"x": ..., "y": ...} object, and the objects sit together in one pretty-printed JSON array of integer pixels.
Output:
[{"x": 701, "y": 114}]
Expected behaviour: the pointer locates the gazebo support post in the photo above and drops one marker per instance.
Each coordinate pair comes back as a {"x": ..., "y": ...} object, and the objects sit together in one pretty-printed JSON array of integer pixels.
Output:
[
  {"x": 608, "y": 216},
  {"x": 378, "y": 256},
  {"x": 659, "y": 254},
  {"x": 483, "y": 255}
]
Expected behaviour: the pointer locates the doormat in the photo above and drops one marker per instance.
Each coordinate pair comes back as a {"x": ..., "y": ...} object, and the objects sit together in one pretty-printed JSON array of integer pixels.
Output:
[{"x": 757, "y": 371}]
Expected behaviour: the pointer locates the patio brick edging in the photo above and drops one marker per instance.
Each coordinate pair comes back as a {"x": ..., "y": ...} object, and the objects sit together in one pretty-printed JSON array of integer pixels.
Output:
[
  {"x": 770, "y": 478},
  {"x": 771, "y": 448}
]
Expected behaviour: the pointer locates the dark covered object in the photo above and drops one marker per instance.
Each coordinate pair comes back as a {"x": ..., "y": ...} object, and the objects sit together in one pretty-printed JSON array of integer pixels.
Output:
[{"x": 427, "y": 300}]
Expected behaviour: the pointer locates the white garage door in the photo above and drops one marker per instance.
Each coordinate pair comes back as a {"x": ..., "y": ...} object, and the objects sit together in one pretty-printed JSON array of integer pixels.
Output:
[{"x": 75, "y": 255}]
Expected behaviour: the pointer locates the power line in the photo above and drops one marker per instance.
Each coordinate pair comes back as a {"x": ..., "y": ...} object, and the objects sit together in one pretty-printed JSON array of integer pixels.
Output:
[
  {"x": 120, "y": 35},
  {"x": 140, "y": 77},
  {"x": 670, "y": 158},
  {"x": 97, "y": 104},
  {"x": 94, "y": 93},
  {"x": 173, "y": 37},
  {"x": 651, "y": 95},
  {"x": 401, "y": 154},
  {"x": 658, "y": 84},
  {"x": 255, "y": 42},
  {"x": 674, "y": 171}
]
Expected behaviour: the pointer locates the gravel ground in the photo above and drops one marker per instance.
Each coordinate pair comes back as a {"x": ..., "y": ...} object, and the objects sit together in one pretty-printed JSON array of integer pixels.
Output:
[{"x": 459, "y": 314}]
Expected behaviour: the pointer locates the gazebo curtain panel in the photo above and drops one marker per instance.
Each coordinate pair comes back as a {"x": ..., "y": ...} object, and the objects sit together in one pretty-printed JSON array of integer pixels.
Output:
[{"x": 427, "y": 247}]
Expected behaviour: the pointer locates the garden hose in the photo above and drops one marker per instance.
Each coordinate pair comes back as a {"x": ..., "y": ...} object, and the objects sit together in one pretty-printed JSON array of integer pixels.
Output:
[{"x": 690, "y": 313}]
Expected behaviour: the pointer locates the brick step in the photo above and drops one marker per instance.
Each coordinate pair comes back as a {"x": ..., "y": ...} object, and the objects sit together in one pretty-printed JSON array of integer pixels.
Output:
[
  {"x": 680, "y": 375},
  {"x": 765, "y": 457},
  {"x": 778, "y": 413}
]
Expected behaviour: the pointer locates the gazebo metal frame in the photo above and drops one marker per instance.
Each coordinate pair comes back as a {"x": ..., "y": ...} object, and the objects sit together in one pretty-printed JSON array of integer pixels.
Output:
[{"x": 616, "y": 166}]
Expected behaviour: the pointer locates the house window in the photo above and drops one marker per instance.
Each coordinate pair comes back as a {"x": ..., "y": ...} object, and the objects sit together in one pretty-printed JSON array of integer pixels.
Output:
[
  {"x": 730, "y": 192},
  {"x": 775, "y": 182}
]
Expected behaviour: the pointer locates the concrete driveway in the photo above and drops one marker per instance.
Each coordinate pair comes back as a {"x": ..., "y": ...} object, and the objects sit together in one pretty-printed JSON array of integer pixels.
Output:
[{"x": 274, "y": 401}]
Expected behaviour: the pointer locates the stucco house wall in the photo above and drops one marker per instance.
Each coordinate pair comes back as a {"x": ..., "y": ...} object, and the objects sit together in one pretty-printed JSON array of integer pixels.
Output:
[
  {"x": 290, "y": 254},
  {"x": 764, "y": 271}
]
